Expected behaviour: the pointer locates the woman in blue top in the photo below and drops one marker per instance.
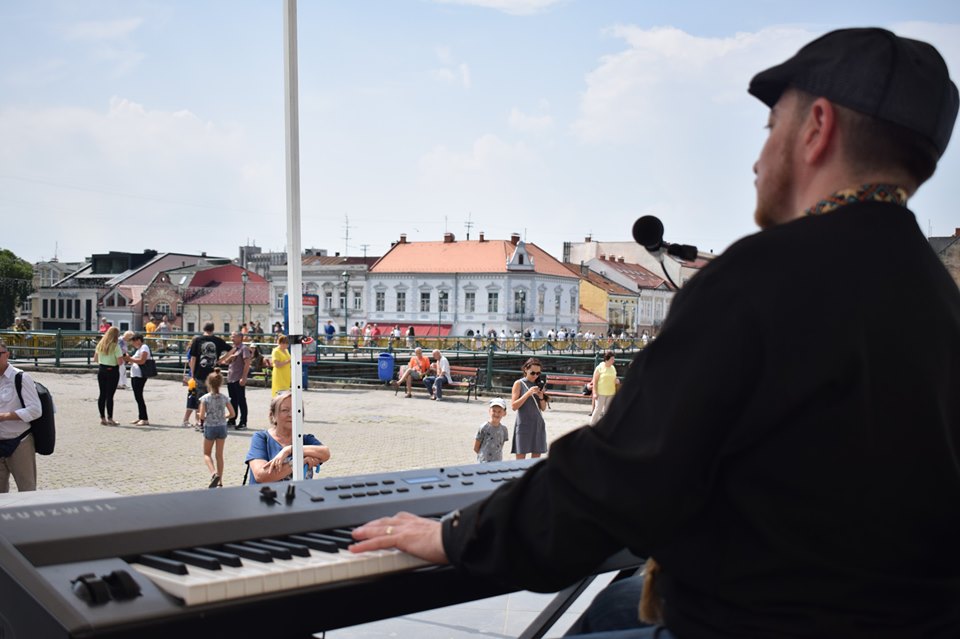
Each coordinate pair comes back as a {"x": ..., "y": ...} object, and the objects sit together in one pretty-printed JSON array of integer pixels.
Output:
[{"x": 269, "y": 457}]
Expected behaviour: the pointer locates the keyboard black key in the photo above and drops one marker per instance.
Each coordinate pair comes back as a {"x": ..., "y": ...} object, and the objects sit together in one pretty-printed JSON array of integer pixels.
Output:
[
  {"x": 277, "y": 552},
  {"x": 162, "y": 563},
  {"x": 316, "y": 544},
  {"x": 225, "y": 558},
  {"x": 340, "y": 541},
  {"x": 300, "y": 550},
  {"x": 195, "y": 559},
  {"x": 248, "y": 552}
]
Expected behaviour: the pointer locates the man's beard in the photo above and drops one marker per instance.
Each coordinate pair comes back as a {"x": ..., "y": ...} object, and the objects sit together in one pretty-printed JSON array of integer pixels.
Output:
[{"x": 774, "y": 193}]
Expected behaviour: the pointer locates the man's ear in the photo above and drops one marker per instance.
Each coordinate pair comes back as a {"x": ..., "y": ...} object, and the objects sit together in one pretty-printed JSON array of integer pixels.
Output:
[{"x": 818, "y": 133}]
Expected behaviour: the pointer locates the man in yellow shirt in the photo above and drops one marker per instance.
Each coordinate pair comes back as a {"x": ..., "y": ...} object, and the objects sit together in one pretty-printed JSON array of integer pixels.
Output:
[{"x": 148, "y": 326}]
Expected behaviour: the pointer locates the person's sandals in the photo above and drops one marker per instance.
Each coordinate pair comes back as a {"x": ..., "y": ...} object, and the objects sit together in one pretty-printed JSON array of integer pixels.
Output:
[
  {"x": 214, "y": 481},
  {"x": 104, "y": 422},
  {"x": 142, "y": 422},
  {"x": 110, "y": 422}
]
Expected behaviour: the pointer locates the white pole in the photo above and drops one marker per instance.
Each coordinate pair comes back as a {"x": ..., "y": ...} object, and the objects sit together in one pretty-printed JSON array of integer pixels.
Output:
[{"x": 294, "y": 265}]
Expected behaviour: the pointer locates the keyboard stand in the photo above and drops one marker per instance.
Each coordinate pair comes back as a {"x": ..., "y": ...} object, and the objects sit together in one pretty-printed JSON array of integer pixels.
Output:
[{"x": 549, "y": 616}]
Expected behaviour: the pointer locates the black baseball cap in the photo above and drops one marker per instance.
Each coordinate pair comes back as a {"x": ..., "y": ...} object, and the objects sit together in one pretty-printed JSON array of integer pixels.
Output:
[{"x": 875, "y": 72}]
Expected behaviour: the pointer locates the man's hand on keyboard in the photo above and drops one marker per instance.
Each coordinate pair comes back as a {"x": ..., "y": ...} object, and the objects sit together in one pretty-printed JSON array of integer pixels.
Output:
[{"x": 416, "y": 535}]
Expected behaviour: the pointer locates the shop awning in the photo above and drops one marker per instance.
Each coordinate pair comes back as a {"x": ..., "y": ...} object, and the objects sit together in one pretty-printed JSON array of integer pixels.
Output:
[{"x": 427, "y": 330}]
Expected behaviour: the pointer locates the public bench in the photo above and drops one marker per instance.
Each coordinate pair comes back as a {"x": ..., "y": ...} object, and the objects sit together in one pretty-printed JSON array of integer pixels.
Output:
[
  {"x": 567, "y": 385},
  {"x": 464, "y": 377}
]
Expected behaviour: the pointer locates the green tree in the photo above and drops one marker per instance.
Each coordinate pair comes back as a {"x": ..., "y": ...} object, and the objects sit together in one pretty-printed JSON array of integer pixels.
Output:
[{"x": 16, "y": 283}]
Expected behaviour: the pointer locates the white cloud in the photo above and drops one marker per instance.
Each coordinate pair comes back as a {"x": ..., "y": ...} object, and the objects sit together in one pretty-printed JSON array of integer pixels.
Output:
[
  {"x": 513, "y": 7},
  {"x": 505, "y": 180},
  {"x": 102, "y": 30},
  {"x": 520, "y": 121},
  {"x": 451, "y": 72},
  {"x": 130, "y": 177},
  {"x": 667, "y": 75}
]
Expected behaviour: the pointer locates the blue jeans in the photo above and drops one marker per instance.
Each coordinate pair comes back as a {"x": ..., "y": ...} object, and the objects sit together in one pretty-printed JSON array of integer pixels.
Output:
[
  {"x": 613, "y": 614},
  {"x": 435, "y": 385}
]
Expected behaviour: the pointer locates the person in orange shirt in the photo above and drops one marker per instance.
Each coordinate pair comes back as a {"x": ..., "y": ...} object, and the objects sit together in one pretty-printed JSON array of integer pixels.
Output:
[{"x": 415, "y": 371}]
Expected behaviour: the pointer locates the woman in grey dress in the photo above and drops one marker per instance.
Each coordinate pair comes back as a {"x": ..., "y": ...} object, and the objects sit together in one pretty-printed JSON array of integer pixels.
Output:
[{"x": 529, "y": 431}]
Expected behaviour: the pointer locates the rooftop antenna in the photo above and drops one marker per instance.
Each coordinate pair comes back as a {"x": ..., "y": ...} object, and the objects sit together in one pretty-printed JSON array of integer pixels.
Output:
[
  {"x": 364, "y": 247},
  {"x": 469, "y": 225},
  {"x": 346, "y": 235}
]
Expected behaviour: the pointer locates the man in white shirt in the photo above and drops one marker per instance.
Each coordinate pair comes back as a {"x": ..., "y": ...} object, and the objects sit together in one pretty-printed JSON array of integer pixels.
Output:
[
  {"x": 434, "y": 383},
  {"x": 14, "y": 422}
]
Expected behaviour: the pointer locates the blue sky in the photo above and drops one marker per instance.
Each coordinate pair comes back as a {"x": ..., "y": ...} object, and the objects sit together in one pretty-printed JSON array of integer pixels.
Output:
[{"x": 127, "y": 125}]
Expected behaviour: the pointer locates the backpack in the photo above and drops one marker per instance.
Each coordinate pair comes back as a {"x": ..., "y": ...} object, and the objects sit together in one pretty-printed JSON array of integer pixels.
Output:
[{"x": 43, "y": 427}]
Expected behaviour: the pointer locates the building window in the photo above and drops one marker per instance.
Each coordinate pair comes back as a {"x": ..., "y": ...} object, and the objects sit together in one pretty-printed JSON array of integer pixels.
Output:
[
  {"x": 343, "y": 300},
  {"x": 327, "y": 300},
  {"x": 573, "y": 305},
  {"x": 162, "y": 309},
  {"x": 357, "y": 302},
  {"x": 425, "y": 302},
  {"x": 470, "y": 302},
  {"x": 191, "y": 327},
  {"x": 443, "y": 301},
  {"x": 381, "y": 301},
  {"x": 541, "y": 299},
  {"x": 226, "y": 327},
  {"x": 60, "y": 309},
  {"x": 493, "y": 302},
  {"x": 278, "y": 303},
  {"x": 401, "y": 301},
  {"x": 69, "y": 310},
  {"x": 520, "y": 302},
  {"x": 45, "y": 311}
]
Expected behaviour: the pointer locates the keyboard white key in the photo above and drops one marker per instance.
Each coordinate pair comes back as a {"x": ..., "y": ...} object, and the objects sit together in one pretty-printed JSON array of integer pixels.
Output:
[{"x": 202, "y": 585}]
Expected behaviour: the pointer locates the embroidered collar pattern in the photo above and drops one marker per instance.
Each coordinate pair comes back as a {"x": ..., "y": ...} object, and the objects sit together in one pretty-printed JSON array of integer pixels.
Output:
[{"x": 865, "y": 193}]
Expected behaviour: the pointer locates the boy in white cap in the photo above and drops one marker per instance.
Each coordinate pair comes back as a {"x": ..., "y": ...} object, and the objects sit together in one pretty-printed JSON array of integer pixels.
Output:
[{"x": 492, "y": 435}]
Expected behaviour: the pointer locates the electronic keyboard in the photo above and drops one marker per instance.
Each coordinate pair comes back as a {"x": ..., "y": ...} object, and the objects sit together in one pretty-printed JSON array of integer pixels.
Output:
[{"x": 233, "y": 561}]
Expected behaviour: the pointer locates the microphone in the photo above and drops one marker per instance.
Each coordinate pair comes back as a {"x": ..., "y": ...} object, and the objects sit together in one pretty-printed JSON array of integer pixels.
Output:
[{"x": 648, "y": 233}]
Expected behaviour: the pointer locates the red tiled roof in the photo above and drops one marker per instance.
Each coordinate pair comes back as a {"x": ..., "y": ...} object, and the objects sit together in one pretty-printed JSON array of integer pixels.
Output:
[
  {"x": 600, "y": 281},
  {"x": 643, "y": 277},
  {"x": 586, "y": 317},
  {"x": 228, "y": 273},
  {"x": 257, "y": 293},
  {"x": 163, "y": 262},
  {"x": 463, "y": 256}
]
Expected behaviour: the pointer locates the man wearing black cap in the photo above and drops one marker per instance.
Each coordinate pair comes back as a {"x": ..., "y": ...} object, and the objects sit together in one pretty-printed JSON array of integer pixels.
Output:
[{"x": 804, "y": 481}]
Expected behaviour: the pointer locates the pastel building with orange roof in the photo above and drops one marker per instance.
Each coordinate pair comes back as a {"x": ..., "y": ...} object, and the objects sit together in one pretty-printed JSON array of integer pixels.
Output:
[{"x": 468, "y": 287}]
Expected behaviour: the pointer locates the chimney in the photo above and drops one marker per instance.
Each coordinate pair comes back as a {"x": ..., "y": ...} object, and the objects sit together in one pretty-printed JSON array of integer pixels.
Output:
[
  {"x": 403, "y": 238},
  {"x": 481, "y": 237},
  {"x": 956, "y": 233},
  {"x": 620, "y": 259},
  {"x": 588, "y": 239},
  {"x": 602, "y": 256},
  {"x": 448, "y": 238},
  {"x": 584, "y": 269},
  {"x": 514, "y": 238}
]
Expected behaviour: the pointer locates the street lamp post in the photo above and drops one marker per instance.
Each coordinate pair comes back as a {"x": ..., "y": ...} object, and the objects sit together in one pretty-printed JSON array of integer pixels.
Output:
[
  {"x": 623, "y": 315},
  {"x": 243, "y": 298},
  {"x": 346, "y": 301},
  {"x": 556, "y": 316},
  {"x": 523, "y": 309}
]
